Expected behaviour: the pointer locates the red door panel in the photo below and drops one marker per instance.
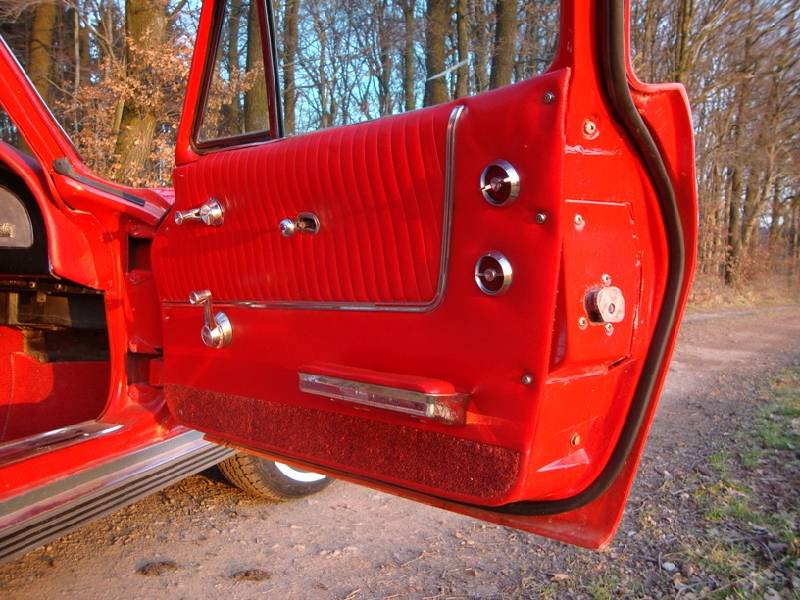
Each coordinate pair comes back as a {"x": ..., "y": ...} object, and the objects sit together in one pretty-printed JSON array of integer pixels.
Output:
[
  {"x": 371, "y": 349},
  {"x": 463, "y": 341},
  {"x": 379, "y": 193}
]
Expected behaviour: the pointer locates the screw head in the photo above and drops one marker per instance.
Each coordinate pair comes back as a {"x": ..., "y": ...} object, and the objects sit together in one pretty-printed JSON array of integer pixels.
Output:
[
  {"x": 541, "y": 218},
  {"x": 606, "y": 279},
  {"x": 575, "y": 440},
  {"x": 527, "y": 379},
  {"x": 583, "y": 322},
  {"x": 549, "y": 97},
  {"x": 579, "y": 222},
  {"x": 609, "y": 329},
  {"x": 589, "y": 128}
]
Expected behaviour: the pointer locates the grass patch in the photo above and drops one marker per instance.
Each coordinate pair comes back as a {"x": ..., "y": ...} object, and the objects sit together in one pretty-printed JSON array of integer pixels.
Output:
[
  {"x": 743, "y": 524},
  {"x": 750, "y": 457},
  {"x": 720, "y": 461},
  {"x": 605, "y": 588},
  {"x": 778, "y": 425}
]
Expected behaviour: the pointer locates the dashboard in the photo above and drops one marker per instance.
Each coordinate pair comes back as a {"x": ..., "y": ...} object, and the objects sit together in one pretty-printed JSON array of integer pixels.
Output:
[{"x": 23, "y": 241}]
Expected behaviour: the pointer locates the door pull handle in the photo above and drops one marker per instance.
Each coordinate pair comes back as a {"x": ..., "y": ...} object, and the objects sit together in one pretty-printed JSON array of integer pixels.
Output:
[{"x": 209, "y": 213}]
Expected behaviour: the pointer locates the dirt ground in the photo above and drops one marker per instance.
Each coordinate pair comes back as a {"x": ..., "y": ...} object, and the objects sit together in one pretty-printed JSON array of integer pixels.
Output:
[{"x": 714, "y": 513}]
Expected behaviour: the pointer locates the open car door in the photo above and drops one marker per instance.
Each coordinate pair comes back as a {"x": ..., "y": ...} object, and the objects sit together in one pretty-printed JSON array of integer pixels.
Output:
[{"x": 471, "y": 305}]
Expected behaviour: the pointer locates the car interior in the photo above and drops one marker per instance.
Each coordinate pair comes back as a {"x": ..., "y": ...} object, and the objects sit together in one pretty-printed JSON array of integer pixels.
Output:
[{"x": 54, "y": 358}]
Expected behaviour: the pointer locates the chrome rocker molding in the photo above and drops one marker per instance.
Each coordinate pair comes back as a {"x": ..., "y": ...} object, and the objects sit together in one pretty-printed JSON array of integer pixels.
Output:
[
  {"x": 33, "y": 445},
  {"x": 48, "y": 512},
  {"x": 447, "y": 226}
]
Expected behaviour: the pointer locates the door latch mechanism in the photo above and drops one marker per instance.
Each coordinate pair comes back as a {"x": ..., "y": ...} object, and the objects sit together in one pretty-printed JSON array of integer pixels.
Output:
[
  {"x": 217, "y": 331},
  {"x": 209, "y": 213}
]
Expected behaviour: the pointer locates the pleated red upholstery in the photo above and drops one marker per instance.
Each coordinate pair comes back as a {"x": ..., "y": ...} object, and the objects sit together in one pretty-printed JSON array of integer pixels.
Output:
[{"x": 378, "y": 189}]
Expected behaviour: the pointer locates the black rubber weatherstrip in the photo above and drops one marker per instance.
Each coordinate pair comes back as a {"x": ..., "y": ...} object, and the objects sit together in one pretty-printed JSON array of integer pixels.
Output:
[
  {"x": 63, "y": 167},
  {"x": 612, "y": 47}
]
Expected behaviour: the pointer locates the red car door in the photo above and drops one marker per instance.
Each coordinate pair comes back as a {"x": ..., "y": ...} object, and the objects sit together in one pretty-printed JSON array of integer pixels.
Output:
[{"x": 472, "y": 305}]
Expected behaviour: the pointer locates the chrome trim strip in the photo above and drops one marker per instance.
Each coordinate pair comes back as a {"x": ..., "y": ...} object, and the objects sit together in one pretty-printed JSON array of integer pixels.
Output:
[
  {"x": 39, "y": 443},
  {"x": 447, "y": 226},
  {"x": 445, "y": 408},
  {"x": 33, "y": 518}
]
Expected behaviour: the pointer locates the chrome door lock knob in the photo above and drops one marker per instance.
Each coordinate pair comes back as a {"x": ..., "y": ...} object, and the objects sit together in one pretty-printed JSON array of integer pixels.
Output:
[
  {"x": 287, "y": 227},
  {"x": 209, "y": 213},
  {"x": 217, "y": 331}
]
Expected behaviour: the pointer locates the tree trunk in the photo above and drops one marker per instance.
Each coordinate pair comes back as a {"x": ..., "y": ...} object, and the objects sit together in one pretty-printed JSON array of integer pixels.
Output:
[
  {"x": 736, "y": 189},
  {"x": 505, "y": 43},
  {"x": 683, "y": 31},
  {"x": 409, "y": 55},
  {"x": 85, "y": 58},
  {"x": 775, "y": 222},
  {"x": 232, "y": 110},
  {"x": 290, "y": 13},
  {"x": 145, "y": 24},
  {"x": 462, "y": 75},
  {"x": 734, "y": 242},
  {"x": 40, "y": 59},
  {"x": 438, "y": 22},
  {"x": 256, "y": 101},
  {"x": 386, "y": 60},
  {"x": 480, "y": 46}
]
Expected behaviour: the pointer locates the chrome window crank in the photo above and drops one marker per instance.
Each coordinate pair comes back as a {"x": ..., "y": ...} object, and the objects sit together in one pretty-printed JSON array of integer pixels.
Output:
[
  {"x": 217, "y": 331},
  {"x": 209, "y": 213}
]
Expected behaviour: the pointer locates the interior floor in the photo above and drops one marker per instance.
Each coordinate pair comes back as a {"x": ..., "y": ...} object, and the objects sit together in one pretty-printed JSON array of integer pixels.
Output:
[{"x": 38, "y": 396}]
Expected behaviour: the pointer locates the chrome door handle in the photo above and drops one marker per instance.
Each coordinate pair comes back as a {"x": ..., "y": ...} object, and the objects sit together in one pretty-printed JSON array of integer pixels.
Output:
[
  {"x": 217, "y": 331},
  {"x": 209, "y": 213},
  {"x": 305, "y": 222}
]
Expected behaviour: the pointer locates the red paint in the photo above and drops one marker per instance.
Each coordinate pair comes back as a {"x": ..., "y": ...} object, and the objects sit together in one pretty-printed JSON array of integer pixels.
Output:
[{"x": 378, "y": 189}]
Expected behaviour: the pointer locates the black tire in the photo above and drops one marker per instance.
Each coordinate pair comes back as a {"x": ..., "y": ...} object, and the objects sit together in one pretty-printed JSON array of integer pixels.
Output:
[{"x": 267, "y": 479}]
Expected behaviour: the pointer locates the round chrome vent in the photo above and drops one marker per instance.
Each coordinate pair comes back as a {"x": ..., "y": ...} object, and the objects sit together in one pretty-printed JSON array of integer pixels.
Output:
[
  {"x": 500, "y": 183},
  {"x": 493, "y": 273}
]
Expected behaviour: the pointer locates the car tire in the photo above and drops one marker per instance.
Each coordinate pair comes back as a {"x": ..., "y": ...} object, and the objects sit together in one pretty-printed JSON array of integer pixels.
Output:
[{"x": 272, "y": 480}]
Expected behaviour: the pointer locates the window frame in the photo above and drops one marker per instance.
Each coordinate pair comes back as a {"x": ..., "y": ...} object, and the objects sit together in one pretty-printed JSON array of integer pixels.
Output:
[{"x": 269, "y": 52}]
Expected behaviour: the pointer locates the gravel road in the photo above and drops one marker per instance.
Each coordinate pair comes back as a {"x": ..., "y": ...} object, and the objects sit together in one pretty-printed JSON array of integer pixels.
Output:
[{"x": 202, "y": 539}]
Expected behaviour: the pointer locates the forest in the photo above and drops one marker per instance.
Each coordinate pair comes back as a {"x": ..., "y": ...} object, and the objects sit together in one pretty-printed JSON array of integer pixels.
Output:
[{"x": 113, "y": 73}]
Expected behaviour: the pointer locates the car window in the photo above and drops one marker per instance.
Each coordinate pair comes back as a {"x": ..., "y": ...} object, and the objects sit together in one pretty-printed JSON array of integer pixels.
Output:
[
  {"x": 236, "y": 97},
  {"x": 9, "y": 132},
  {"x": 343, "y": 62}
]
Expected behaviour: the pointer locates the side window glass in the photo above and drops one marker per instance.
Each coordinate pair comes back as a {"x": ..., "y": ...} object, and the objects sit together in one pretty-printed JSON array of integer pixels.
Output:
[
  {"x": 9, "y": 132},
  {"x": 343, "y": 62},
  {"x": 236, "y": 99}
]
